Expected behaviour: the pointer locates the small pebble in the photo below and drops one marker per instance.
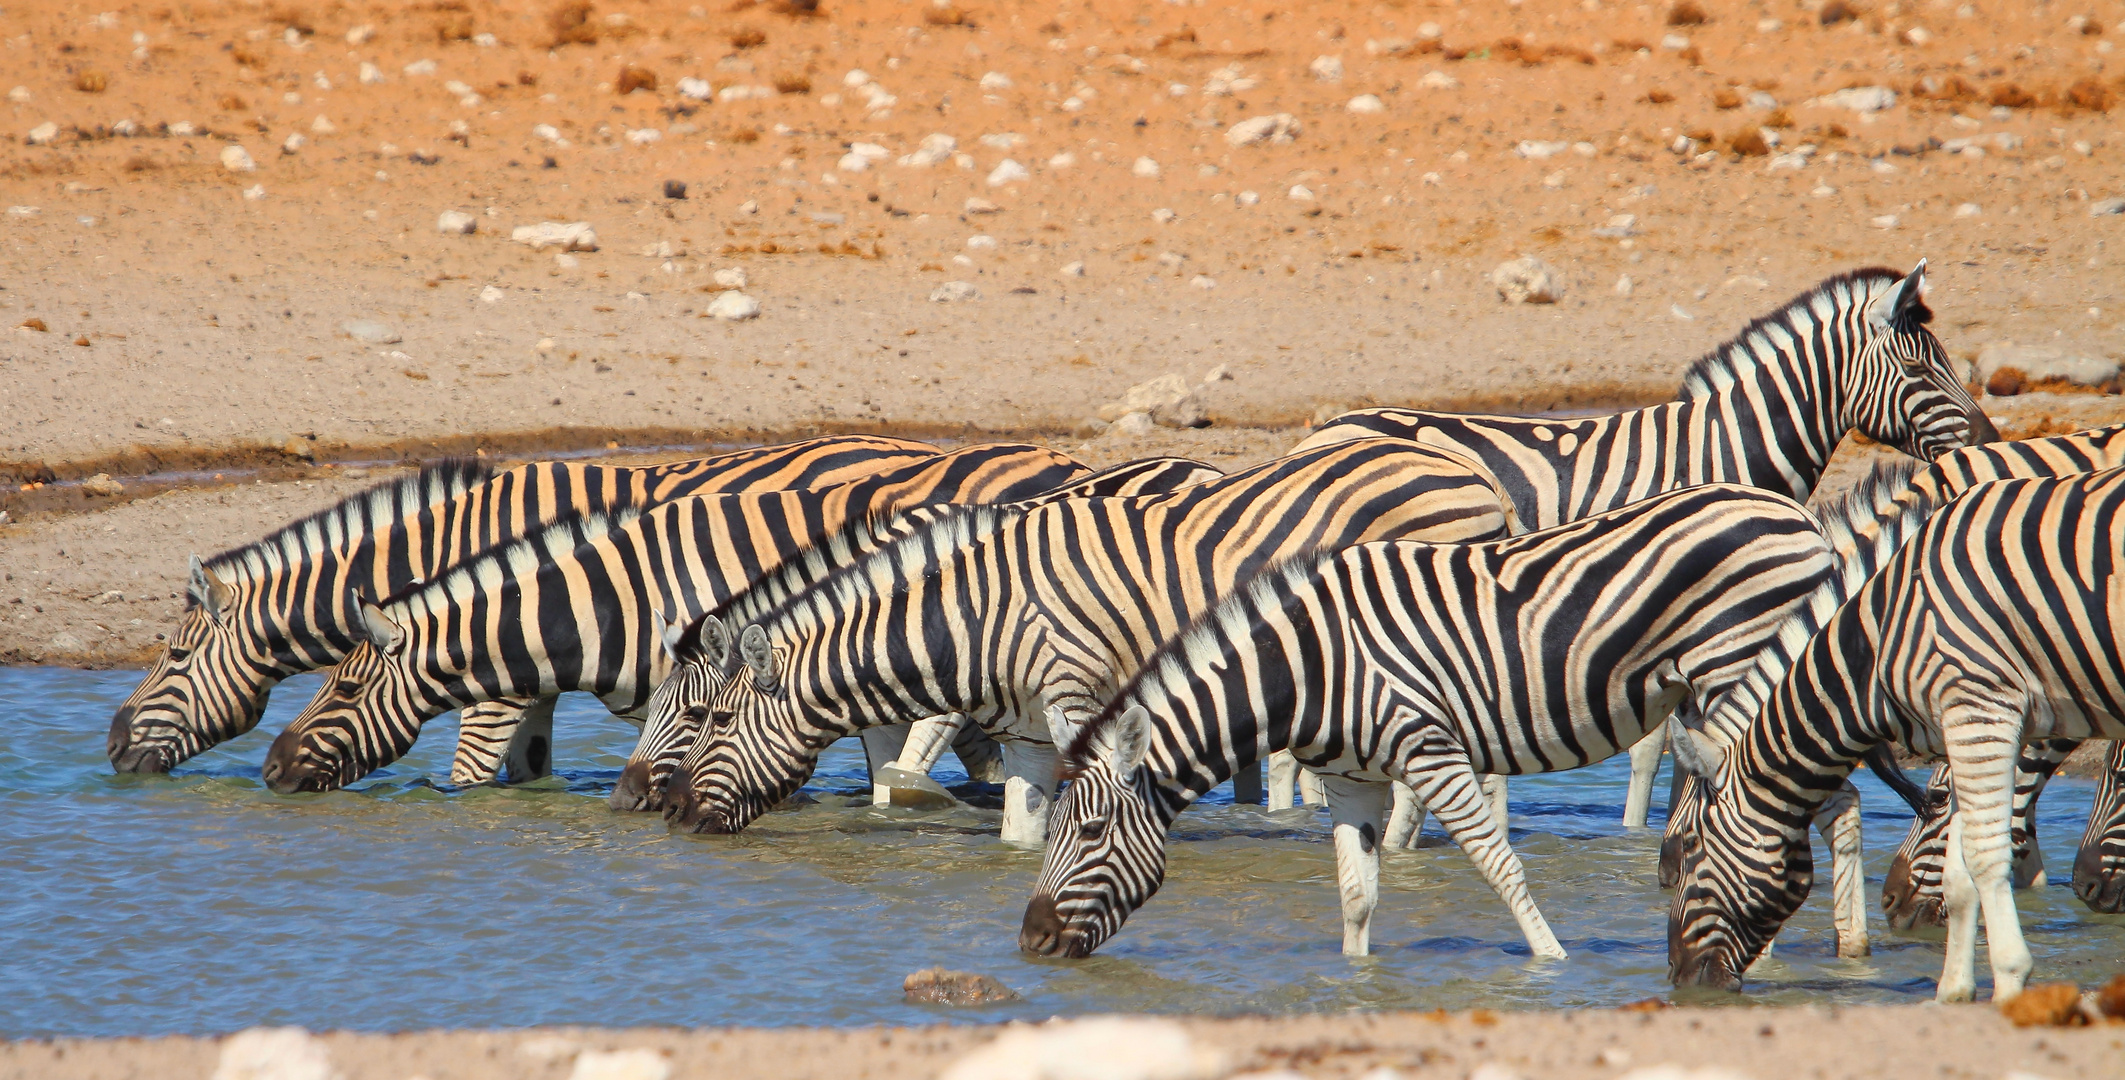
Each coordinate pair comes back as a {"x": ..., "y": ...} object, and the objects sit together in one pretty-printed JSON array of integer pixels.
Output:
[
  {"x": 490, "y": 295},
  {"x": 254, "y": 193},
  {"x": 1075, "y": 269},
  {"x": 980, "y": 206},
  {"x": 733, "y": 306},
  {"x": 1145, "y": 168},
  {"x": 1623, "y": 285},
  {"x": 953, "y": 291},
  {"x": 1247, "y": 198},
  {"x": 674, "y": 189},
  {"x": 1164, "y": 216},
  {"x": 1008, "y": 172},
  {"x": 371, "y": 332},
  {"x": 729, "y": 277},
  {"x": 237, "y": 159},
  {"x": 981, "y": 243},
  {"x": 457, "y": 223},
  {"x": 1367, "y": 105},
  {"x": 621, "y": 1065},
  {"x": 102, "y": 485},
  {"x": 1300, "y": 193},
  {"x": 1201, "y": 282}
]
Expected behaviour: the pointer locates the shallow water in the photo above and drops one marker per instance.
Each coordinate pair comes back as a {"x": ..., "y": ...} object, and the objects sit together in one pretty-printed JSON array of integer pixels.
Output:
[{"x": 204, "y": 903}]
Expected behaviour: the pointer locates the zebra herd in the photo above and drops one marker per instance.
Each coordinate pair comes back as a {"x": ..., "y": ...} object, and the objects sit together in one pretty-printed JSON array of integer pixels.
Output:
[{"x": 1409, "y": 606}]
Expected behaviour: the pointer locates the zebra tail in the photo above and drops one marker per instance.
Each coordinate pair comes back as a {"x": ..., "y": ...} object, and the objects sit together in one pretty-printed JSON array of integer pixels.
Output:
[{"x": 1881, "y": 761}]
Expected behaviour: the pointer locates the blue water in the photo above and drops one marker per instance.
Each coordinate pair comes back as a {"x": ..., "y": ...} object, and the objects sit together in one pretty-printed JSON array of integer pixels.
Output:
[{"x": 203, "y": 903}]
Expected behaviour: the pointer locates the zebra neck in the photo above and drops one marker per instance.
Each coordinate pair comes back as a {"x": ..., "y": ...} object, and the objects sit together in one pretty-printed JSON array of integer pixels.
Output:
[
  {"x": 1825, "y": 715},
  {"x": 895, "y": 647},
  {"x": 1767, "y": 435}
]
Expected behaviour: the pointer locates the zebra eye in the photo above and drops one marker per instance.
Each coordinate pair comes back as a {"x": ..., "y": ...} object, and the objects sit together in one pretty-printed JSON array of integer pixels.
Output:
[
  {"x": 177, "y": 655},
  {"x": 1092, "y": 829},
  {"x": 348, "y": 688},
  {"x": 723, "y": 718},
  {"x": 695, "y": 714}
]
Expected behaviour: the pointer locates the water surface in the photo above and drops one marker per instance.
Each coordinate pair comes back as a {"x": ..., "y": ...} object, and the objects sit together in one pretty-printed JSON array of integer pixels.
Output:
[{"x": 201, "y": 902}]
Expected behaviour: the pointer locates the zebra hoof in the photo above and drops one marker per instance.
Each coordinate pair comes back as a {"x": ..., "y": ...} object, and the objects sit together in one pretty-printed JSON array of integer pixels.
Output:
[{"x": 911, "y": 790}]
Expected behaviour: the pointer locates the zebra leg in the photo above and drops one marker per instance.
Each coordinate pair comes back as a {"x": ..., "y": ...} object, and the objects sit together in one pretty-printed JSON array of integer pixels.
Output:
[
  {"x": 1406, "y": 821},
  {"x": 881, "y": 747},
  {"x": 1310, "y": 788},
  {"x": 1453, "y": 792},
  {"x": 1247, "y": 785},
  {"x": 978, "y": 754},
  {"x": 1959, "y": 906},
  {"x": 1645, "y": 768},
  {"x": 1984, "y": 790},
  {"x": 1838, "y": 821},
  {"x": 1283, "y": 775},
  {"x": 484, "y": 734},
  {"x": 1028, "y": 790},
  {"x": 530, "y": 753},
  {"x": 1494, "y": 790},
  {"x": 905, "y": 781},
  {"x": 1356, "y": 806}
]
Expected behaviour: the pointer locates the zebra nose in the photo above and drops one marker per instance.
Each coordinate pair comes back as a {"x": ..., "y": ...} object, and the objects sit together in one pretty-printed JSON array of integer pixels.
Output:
[
  {"x": 633, "y": 791},
  {"x": 285, "y": 771},
  {"x": 1041, "y": 933},
  {"x": 121, "y": 736},
  {"x": 2101, "y": 888},
  {"x": 682, "y": 808},
  {"x": 1670, "y": 861}
]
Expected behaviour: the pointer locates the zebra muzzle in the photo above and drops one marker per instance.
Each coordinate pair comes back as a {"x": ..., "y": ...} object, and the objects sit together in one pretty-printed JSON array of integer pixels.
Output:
[
  {"x": 129, "y": 755},
  {"x": 2101, "y": 888},
  {"x": 634, "y": 790},
  {"x": 1042, "y": 932}
]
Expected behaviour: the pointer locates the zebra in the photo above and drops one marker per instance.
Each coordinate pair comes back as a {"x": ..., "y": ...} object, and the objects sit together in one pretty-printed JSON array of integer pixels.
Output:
[
  {"x": 1766, "y": 409},
  {"x": 576, "y": 606},
  {"x": 1428, "y": 664},
  {"x": 1911, "y": 890},
  {"x": 666, "y": 735},
  {"x": 995, "y": 614},
  {"x": 1997, "y": 625},
  {"x": 1900, "y": 510},
  {"x": 2099, "y": 869},
  {"x": 256, "y": 614}
]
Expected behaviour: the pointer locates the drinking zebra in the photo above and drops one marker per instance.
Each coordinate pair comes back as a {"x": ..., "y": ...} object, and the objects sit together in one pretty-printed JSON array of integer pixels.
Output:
[
  {"x": 256, "y": 614},
  {"x": 1997, "y": 625},
  {"x": 2099, "y": 869},
  {"x": 998, "y": 613},
  {"x": 1765, "y": 408},
  {"x": 1911, "y": 890},
  {"x": 668, "y": 734},
  {"x": 575, "y": 606},
  {"x": 1427, "y": 664}
]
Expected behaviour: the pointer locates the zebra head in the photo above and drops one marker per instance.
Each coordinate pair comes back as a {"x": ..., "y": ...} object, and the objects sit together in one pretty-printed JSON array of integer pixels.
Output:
[
  {"x": 363, "y": 718},
  {"x": 753, "y": 749},
  {"x": 1740, "y": 877},
  {"x": 2099, "y": 869},
  {"x": 1911, "y": 890},
  {"x": 700, "y": 652},
  {"x": 1902, "y": 390},
  {"x": 1106, "y": 837},
  {"x": 208, "y": 686}
]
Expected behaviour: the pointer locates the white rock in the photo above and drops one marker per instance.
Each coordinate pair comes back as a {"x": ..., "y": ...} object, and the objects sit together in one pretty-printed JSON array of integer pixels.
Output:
[
  {"x": 1300, "y": 193},
  {"x": 855, "y": 78},
  {"x": 1168, "y": 400},
  {"x": 254, "y": 193},
  {"x": 730, "y": 277},
  {"x": 568, "y": 236},
  {"x": 1008, "y": 171},
  {"x": 565, "y": 261},
  {"x": 1327, "y": 68},
  {"x": 1367, "y": 105},
  {"x": 1619, "y": 227},
  {"x": 1527, "y": 280},
  {"x": 1276, "y": 130},
  {"x": 1883, "y": 221},
  {"x": 952, "y": 291},
  {"x": 697, "y": 89},
  {"x": 934, "y": 148},
  {"x": 322, "y": 126},
  {"x": 19, "y": 95},
  {"x": 1438, "y": 80},
  {"x": 237, "y": 159},
  {"x": 733, "y": 306},
  {"x": 371, "y": 332},
  {"x": 1005, "y": 141},
  {"x": 1062, "y": 161},
  {"x": 1247, "y": 198},
  {"x": 995, "y": 80},
  {"x": 1859, "y": 99},
  {"x": 371, "y": 74},
  {"x": 1675, "y": 42},
  {"x": 1127, "y": 425},
  {"x": 2038, "y": 362},
  {"x": 1098, "y": 1048},
  {"x": 1227, "y": 80},
  {"x": 749, "y": 206},
  {"x": 979, "y": 206},
  {"x": 1144, "y": 167},
  {"x": 2106, "y": 207},
  {"x": 1538, "y": 150},
  {"x": 24, "y": 211},
  {"x": 1623, "y": 285},
  {"x": 870, "y": 151},
  {"x": 1677, "y": 311},
  {"x": 1073, "y": 269},
  {"x": 545, "y": 345},
  {"x": 292, "y": 143},
  {"x": 981, "y": 243},
  {"x": 420, "y": 67},
  {"x": 1164, "y": 216},
  {"x": 288, "y": 1053},
  {"x": 852, "y": 163},
  {"x": 1968, "y": 209},
  {"x": 491, "y": 295},
  {"x": 457, "y": 223},
  {"x": 181, "y": 128},
  {"x": 1201, "y": 282},
  {"x": 361, "y": 35},
  {"x": 645, "y": 136},
  {"x": 621, "y": 1065},
  {"x": 43, "y": 133}
]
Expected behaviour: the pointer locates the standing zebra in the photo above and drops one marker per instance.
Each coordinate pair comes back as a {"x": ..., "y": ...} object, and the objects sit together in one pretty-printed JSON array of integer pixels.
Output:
[
  {"x": 1765, "y": 409},
  {"x": 668, "y": 734},
  {"x": 1997, "y": 625},
  {"x": 575, "y": 606},
  {"x": 1427, "y": 664},
  {"x": 2099, "y": 869},
  {"x": 996, "y": 614},
  {"x": 1911, "y": 890},
  {"x": 257, "y": 614}
]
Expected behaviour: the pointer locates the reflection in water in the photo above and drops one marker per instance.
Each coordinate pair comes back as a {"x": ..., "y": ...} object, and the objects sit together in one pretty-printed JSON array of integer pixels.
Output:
[{"x": 203, "y": 903}]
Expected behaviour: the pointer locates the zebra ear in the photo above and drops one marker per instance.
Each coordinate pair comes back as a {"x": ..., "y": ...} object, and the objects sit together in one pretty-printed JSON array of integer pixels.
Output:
[
  {"x": 207, "y": 591},
  {"x": 713, "y": 639},
  {"x": 1901, "y": 299},
  {"x": 758, "y": 655},
  {"x": 1130, "y": 738},
  {"x": 382, "y": 632},
  {"x": 1699, "y": 754},
  {"x": 1058, "y": 727}
]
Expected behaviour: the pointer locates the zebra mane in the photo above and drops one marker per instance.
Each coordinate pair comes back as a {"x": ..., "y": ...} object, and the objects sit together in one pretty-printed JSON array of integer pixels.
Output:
[
  {"x": 351, "y": 518},
  {"x": 1747, "y": 349},
  {"x": 1866, "y": 529},
  {"x": 850, "y": 552},
  {"x": 520, "y": 555},
  {"x": 1229, "y": 619}
]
